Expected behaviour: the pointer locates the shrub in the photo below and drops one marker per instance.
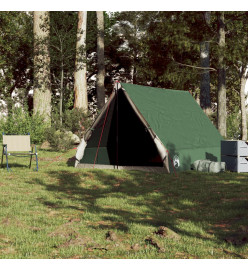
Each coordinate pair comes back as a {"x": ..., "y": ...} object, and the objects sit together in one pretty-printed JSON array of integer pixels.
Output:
[
  {"x": 60, "y": 140},
  {"x": 74, "y": 121},
  {"x": 19, "y": 121},
  {"x": 234, "y": 125}
]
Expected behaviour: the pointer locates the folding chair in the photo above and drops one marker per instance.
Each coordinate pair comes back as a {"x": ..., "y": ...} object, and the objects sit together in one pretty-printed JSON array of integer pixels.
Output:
[{"x": 18, "y": 145}]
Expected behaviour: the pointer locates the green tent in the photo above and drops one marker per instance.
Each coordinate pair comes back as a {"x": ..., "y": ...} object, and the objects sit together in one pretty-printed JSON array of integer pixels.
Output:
[{"x": 149, "y": 128}]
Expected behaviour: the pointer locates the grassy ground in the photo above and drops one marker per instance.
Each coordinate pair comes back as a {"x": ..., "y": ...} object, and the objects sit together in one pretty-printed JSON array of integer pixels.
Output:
[{"x": 63, "y": 212}]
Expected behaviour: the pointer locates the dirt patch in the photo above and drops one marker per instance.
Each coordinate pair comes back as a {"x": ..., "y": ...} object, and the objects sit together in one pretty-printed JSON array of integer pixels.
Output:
[
  {"x": 9, "y": 221},
  {"x": 110, "y": 235},
  {"x": 8, "y": 250},
  {"x": 45, "y": 146},
  {"x": 240, "y": 256},
  {"x": 66, "y": 230},
  {"x": 154, "y": 242},
  {"x": 77, "y": 241},
  {"x": 35, "y": 229},
  {"x": 167, "y": 233},
  {"x": 237, "y": 240},
  {"x": 135, "y": 247},
  {"x": 4, "y": 239}
]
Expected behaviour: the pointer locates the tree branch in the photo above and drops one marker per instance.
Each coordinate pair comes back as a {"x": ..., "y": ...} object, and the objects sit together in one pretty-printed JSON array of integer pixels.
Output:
[{"x": 196, "y": 67}]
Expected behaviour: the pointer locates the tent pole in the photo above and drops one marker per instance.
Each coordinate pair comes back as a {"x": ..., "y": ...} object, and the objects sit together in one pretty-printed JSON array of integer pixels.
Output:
[
  {"x": 117, "y": 128},
  {"x": 101, "y": 135}
]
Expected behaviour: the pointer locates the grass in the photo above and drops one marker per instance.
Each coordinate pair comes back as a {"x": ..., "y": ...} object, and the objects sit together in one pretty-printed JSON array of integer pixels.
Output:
[{"x": 63, "y": 212}]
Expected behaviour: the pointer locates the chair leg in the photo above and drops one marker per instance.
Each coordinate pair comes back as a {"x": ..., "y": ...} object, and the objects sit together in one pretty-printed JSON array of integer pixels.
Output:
[
  {"x": 7, "y": 163},
  {"x": 37, "y": 167},
  {"x": 2, "y": 159},
  {"x": 36, "y": 156},
  {"x": 30, "y": 161}
]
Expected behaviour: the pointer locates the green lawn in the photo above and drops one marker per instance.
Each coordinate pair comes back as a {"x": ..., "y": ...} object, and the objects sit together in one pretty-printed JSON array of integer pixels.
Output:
[{"x": 63, "y": 212}]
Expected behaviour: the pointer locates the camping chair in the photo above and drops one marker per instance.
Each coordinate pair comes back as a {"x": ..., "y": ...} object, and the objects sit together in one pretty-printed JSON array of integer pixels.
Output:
[{"x": 18, "y": 145}]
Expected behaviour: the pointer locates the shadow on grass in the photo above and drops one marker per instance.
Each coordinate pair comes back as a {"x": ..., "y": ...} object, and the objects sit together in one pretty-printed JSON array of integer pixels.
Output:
[
  {"x": 213, "y": 205},
  {"x": 13, "y": 165}
]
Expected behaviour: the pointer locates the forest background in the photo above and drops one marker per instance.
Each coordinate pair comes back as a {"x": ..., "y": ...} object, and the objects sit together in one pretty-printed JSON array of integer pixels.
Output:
[{"x": 198, "y": 51}]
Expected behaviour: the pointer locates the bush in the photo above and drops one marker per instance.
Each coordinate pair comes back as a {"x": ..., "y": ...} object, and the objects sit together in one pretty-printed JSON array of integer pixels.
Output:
[
  {"x": 59, "y": 134},
  {"x": 19, "y": 121},
  {"x": 59, "y": 140},
  {"x": 234, "y": 125},
  {"x": 76, "y": 121}
]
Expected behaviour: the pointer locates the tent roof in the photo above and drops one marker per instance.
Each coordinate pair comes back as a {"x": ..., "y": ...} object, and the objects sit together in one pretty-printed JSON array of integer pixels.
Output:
[{"x": 174, "y": 116}]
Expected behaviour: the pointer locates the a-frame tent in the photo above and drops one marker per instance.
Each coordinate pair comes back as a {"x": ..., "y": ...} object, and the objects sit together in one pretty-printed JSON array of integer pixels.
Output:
[{"x": 149, "y": 128}]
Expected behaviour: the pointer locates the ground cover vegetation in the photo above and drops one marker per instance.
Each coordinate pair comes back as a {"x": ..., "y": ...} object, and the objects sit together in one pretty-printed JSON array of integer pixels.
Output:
[{"x": 63, "y": 212}]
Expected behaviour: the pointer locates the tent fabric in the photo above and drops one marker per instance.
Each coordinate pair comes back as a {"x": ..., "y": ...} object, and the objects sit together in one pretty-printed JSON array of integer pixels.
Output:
[
  {"x": 139, "y": 114},
  {"x": 175, "y": 117},
  {"x": 179, "y": 122}
]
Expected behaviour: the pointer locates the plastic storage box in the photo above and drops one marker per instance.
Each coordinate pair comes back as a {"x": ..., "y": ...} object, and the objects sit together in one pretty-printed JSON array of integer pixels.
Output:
[
  {"x": 234, "y": 148},
  {"x": 235, "y": 155}
]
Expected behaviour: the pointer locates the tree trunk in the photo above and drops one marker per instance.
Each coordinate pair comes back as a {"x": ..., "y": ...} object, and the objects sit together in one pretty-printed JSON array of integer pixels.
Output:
[
  {"x": 42, "y": 80},
  {"x": 100, "y": 60},
  {"x": 242, "y": 105},
  {"x": 61, "y": 94},
  {"x": 80, "y": 82},
  {"x": 221, "y": 77},
  {"x": 205, "y": 101}
]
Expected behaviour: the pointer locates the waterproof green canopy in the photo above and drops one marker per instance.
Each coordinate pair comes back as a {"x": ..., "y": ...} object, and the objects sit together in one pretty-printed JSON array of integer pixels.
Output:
[{"x": 147, "y": 127}]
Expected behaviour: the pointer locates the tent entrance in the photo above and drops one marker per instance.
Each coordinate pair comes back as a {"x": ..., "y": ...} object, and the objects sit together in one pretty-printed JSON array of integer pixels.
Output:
[{"x": 129, "y": 142}]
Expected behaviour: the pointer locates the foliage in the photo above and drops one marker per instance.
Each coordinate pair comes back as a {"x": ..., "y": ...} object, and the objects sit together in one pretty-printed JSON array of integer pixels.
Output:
[
  {"x": 63, "y": 27},
  {"x": 156, "y": 48},
  {"x": 19, "y": 121},
  {"x": 234, "y": 125},
  {"x": 74, "y": 120},
  {"x": 59, "y": 140},
  {"x": 59, "y": 134},
  {"x": 16, "y": 45}
]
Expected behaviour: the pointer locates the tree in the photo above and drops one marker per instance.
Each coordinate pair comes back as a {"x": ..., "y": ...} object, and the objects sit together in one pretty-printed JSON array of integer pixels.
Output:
[
  {"x": 16, "y": 48},
  {"x": 237, "y": 57},
  {"x": 80, "y": 81},
  {"x": 243, "y": 80},
  {"x": 63, "y": 53},
  {"x": 205, "y": 101},
  {"x": 221, "y": 76},
  {"x": 100, "y": 60},
  {"x": 126, "y": 48},
  {"x": 42, "y": 80}
]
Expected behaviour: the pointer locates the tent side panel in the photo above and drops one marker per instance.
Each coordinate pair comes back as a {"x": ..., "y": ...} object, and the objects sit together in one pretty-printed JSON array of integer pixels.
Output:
[
  {"x": 174, "y": 116},
  {"x": 90, "y": 153},
  {"x": 188, "y": 156}
]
